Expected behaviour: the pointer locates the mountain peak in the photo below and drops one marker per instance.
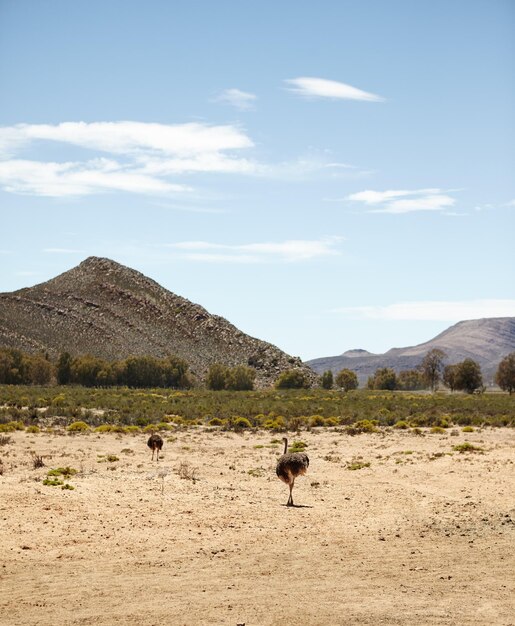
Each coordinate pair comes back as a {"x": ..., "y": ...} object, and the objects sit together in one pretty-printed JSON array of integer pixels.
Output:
[{"x": 106, "y": 309}]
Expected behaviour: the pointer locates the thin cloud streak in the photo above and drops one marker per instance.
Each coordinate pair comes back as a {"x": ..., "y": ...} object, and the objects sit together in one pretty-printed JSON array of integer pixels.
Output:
[
  {"x": 242, "y": 100},
  {"x": 288, "y": 251},
  {"x": 403, "y": 201},
  {"x": 311, "y": 87},
  {"x": 435, "y": 311}
]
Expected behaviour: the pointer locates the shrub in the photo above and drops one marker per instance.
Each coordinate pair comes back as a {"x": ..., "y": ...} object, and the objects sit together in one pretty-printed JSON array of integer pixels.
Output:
[
  {"x": 467, "y": 447},
  {"x": 104, "y": 428},
  {"x": 363, "y": 426},
  {"x": 292, "y": 379},
  {"x": 357, "y": 465},
  {"x": 62, "y": 471},
  {"x": 78, "y": 427},
  {"x": 317, "y": 420},
  {"x": 215, "y": 421},
  {"x": 33, "y": 429},
  {"x": 401, "y": 424},
  {"x": 53, "y": 482},
  {"x": 467, "y": 429},
  {"x": 241, "y": 423},
  {"x": 298, "y": 446}
]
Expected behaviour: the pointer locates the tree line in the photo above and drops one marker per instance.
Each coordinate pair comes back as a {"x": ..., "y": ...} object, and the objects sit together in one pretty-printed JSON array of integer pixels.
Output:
[{"x": 17, "y": 368}]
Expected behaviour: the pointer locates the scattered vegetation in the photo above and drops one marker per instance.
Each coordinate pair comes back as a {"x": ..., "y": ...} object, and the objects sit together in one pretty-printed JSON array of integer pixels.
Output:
[
  {"x": 124, "y": 410},
  {"x": 298, "y": 446},
  {"x": 187, "y": 472},
  {"x": 62, "y": 471},
  {"x": 37, "y": 461},
  {"x": 467, "y": 447},
  {"x": 357, "y": 465}
]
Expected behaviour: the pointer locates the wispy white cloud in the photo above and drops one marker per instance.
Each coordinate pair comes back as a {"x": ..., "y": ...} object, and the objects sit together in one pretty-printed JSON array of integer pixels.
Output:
[
  {"x": 444, "y": 311},
  {"x": 130, "y": 137},
  {"x": 404, "y": 201},
  {"x": 289, "y": 251},
  {"x": 147, "y": 155},
  {"x": 310, "y": 87},
  {"x": 78, "y": 179},
  {"x": 242, "y": 100},
  {"x": 142, "y": 158}
]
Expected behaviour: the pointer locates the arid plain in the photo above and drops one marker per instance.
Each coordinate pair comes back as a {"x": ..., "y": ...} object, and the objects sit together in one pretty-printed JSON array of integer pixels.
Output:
[{"x": 423, "y": 535}]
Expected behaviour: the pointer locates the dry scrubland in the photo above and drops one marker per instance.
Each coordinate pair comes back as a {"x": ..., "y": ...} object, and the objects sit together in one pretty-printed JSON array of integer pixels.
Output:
[{"x": 424, "y": 535}]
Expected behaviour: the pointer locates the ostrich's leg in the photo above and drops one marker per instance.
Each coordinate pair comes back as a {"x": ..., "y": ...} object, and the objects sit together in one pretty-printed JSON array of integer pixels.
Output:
[{"x": 290, "y": 500}]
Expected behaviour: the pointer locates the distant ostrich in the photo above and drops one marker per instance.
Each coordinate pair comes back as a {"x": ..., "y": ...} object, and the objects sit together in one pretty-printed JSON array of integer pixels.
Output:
[
  {"x": 155, "y": 443},
  {"x": 289, "y": 466}
]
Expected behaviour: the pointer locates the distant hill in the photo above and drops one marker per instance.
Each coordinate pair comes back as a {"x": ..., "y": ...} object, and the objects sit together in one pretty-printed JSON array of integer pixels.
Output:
[
  {"x": 486, "y": 341},
  {"x": 111, "y": 311}
]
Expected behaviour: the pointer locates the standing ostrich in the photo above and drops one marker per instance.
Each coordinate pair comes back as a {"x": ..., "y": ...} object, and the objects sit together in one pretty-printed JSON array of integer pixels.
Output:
[
  {"x": 155, "y": 443},
  {"x": 289, "y": 466}
]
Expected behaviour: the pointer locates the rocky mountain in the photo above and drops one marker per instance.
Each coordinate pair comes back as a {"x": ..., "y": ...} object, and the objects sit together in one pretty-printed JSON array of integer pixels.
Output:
[
  {"x": 486, "y": 341},
  {"x": 111, "y": 311}
]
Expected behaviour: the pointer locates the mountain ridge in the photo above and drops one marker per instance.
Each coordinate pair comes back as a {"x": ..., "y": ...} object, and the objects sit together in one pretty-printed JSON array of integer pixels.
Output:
[
  {"x": 106, "y": 309},
  {"x": 486, "y": 340}
]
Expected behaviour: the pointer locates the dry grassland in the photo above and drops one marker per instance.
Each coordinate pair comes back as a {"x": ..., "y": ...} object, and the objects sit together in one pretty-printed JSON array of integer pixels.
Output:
[{"x": 424, "y": 535}]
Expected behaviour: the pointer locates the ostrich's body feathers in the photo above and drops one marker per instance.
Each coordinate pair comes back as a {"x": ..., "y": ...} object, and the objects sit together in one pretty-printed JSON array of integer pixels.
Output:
[
  {"x": 291, "y": 465},
  {"x": 155, "y": 442}
]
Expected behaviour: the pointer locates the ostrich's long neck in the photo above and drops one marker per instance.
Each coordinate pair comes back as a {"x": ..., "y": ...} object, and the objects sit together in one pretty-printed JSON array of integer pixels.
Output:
[{"x": 285, "y": 445}]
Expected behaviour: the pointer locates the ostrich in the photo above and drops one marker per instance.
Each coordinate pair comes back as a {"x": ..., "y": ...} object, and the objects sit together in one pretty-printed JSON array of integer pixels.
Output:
[
  {"x": 155, "y": 443},
  {"x": 289, "y": 466}
]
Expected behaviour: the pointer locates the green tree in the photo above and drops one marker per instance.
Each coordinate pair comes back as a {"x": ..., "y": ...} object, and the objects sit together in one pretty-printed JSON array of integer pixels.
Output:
[
  {"x": 410, "y": 380},
  {"x": 384, "y": 378},
  {"x": 64, "y": 368},
  {"x": 432, "y": 367},
  {"x": 85, "y": 370},
  {"x": 176, "y": 372},
  {"x": 39, "y": 370},
  {"x": 144, "y": 371},
  {"x": 241, "y": 378},
  {"x": 216, "y": 378},
  {"x": 347, "y": 379},
  {"x": 505, "y": 375},
  {"x": 292, "y": 379},
  {"x": 13, "y": 367},
  {"x": 326, "y": 380},
  {"x": 468, "y": 376},
  {"x": 449, "y": 376}
]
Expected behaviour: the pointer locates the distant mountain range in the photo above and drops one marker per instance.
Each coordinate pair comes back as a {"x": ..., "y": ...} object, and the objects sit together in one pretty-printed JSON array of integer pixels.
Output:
[
  {"x": 111, "y": 311},
  {"x": 486, "y": 341}
]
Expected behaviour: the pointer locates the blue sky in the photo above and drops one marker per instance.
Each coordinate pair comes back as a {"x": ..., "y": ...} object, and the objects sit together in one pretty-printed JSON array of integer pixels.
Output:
[{"x": 326, "y": 176}]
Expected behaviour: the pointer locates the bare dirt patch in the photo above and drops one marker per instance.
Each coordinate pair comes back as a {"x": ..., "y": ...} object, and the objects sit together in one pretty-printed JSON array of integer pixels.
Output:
[{"x": 422, "y": 535}]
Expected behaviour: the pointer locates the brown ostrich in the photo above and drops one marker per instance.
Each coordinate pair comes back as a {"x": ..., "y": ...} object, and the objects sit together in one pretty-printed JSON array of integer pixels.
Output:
[
  {"x": 289, "y": 466},
  {"x": 155, "y": 443}
]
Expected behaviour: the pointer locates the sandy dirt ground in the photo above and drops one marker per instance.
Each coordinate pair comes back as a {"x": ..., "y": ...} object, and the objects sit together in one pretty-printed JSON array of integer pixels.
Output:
[{"x": 424, "y": 535}]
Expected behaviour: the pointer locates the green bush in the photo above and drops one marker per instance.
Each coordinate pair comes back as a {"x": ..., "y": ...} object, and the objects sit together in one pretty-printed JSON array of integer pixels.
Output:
[
  {"x": 466, "y": 447},
  {"x": 317, "y": 420},
  {"x": 241, "y": 423},
  {"x": 78, "y": 427}
]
